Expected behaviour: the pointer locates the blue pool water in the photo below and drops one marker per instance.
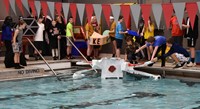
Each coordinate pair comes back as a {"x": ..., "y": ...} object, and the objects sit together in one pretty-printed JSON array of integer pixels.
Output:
[{"x": 94, "y": 93}]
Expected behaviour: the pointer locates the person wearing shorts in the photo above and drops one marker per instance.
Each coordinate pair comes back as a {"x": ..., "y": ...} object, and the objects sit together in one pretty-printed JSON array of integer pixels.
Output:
[
  {"x": 38, "y": 39},
  {"x": 70, "y": 37},
  {"x": 192, "y": 35},
  {"x": 119, "y": 35},
  {"x": 177, "y": 52},
  {"x": 112, "y": 35},
  {"x": 17, "y": 43}
]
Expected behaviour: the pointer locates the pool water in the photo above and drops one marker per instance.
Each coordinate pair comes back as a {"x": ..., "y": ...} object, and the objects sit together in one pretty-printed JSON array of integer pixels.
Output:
[{"x": 95, "y": 93}]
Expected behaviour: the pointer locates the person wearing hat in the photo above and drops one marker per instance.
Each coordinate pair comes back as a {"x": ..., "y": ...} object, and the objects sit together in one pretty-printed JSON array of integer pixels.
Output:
[{"x": 112, "y": 35}]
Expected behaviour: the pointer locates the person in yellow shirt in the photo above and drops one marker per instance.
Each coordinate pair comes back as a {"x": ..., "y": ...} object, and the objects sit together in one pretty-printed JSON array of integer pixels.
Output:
[
  {"x": 70, "y": 35},
  {"x": 148, "y": 31},
  {"x": 112, "y": 35},
  {"x": 89, "y": 31}
]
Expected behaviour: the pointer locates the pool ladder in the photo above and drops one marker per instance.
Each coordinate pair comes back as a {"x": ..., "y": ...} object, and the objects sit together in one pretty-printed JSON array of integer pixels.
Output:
[{"x": 55, "y": 74}]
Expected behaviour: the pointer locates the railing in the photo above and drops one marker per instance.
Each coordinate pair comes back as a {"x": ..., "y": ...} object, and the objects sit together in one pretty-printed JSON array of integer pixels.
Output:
[{"x": 55, "y": 74}]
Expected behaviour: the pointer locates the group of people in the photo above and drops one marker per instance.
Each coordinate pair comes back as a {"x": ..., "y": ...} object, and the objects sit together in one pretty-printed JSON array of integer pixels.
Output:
[
  {"x": 51, "y": 31},
  {"x": 57, "y": 31},
  {"x": 156, "y": 44}
]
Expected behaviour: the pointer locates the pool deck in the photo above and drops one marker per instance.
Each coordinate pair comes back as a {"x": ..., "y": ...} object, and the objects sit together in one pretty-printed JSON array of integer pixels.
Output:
[
  {"x": 38, "y": 69},
  {"x": 34, "y": 69},
  {"x": 184, "y": 73}
]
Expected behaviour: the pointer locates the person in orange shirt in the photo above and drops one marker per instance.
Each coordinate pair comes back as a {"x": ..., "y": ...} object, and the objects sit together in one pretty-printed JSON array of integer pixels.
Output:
[
  {"x": 89, "y": 31},
  {"x": 177, "y": 32},
  {"x": 112, "y": 35}
]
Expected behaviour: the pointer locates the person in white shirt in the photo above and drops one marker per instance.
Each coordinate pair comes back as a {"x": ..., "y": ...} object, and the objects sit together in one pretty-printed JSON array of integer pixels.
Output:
[{"x": 38, "y": 40}]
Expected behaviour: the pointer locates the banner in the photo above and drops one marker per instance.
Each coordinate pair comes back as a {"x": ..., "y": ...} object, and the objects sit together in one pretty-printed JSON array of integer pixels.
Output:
[
  {"x": 19, "y": 4},
  {"x": 25, "y": 4},
  {"x": 51, "y": 8},
  {"x": 73, "y": 11},
  {"x": 106, "y": 11},
  {"x": 146, "y": 11},
  {"x": 157, "y": 12},
  {"x": 32, "y": 6},
  {"x": 192, "y": 11},
  {"x": 135, "y": 10},
  {"x": 198, "y": 3},
  {"x": 38, "y": 7},
  {"x": 97, "y": 11},
  {"x": 179, "y": 11},
  {"x": 12, "y": 4},
  {"x": 89, "y": 11},
  {"x": 66, "y": 10},
  {"x": 58, "y": 6},
  {"x": 44, "y": 8},
  {"x": 115, "y": 11},
  {"x": 81, "y": 8},
  {"x": 6, "y": 2},
  {"x": 125, "y": 9},
  {"x": 167, "y": 11}
]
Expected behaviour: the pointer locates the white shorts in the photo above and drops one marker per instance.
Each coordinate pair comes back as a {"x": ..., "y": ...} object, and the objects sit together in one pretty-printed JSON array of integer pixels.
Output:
[{"x": 181, "y": 57}]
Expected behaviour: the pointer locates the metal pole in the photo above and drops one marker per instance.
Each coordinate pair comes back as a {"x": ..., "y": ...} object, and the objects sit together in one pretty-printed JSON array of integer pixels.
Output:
[
  {"x": 80, "y": 53},
  {"x": 59, "y": 49},
  {"x": 43, "y": 58}
]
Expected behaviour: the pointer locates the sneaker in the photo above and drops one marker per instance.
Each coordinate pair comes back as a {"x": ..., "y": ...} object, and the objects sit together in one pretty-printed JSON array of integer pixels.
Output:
[
  {"x": 113, "y": 55},
  {"x": 178, "y": 65},
  {"x": 54, "y": 58},
  {"x": 89, "y": 58},
  {"x": 191, "y": 64}
]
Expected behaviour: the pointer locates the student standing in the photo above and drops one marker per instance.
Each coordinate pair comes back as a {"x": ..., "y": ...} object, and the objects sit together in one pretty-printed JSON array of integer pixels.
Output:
[
  {"x": 39, "y": 38},
  {"x": 62, "y": 27},
  {"x": 70, "y": 36},
  {"x": 119, "y": 35},
  {"x": 54, "y": 37},
  {"x": 6, "y": 38},
  {"x": 177, "y": 33},
  {"x": 148, "y": 31},
  {"x": 89, "y": 31},
  {"x": 192, "y": 35},
  {"x": 112, "y": 35},
  {"x": 17, "y": 43}
]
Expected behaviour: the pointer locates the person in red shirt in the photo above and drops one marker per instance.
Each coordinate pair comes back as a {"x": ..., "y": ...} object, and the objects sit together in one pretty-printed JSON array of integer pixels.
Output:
[{"x": 177, "y": 32}]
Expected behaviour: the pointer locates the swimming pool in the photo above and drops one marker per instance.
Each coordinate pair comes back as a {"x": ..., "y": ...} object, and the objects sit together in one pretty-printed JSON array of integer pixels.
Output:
[{"x": 94, "y": 93}]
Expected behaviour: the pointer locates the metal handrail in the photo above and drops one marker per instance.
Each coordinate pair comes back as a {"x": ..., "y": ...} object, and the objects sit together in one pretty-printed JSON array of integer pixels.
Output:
[
  {"x": 55, "y": 74},
  {"x": 81, "y": 53}
]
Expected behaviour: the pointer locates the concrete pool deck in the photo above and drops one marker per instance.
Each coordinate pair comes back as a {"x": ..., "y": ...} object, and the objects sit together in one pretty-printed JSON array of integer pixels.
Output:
[
  {"x": 34, "y": 69},
  {"x": 38, "y": 69}
]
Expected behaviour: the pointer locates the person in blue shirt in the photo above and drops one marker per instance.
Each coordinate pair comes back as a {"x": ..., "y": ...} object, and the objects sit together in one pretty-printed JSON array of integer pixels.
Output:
[
  {"x": 177, "y": 52},
  {"x": 6, "y": 39},
  {"x": 159, "y": 43},
  {"x": 119, "y": 35},
  {"x": 7, "y": 33}
]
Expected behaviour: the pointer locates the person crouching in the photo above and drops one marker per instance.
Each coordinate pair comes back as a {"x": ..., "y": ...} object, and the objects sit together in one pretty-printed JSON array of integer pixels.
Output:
[{"x": 131, "y": 47}]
